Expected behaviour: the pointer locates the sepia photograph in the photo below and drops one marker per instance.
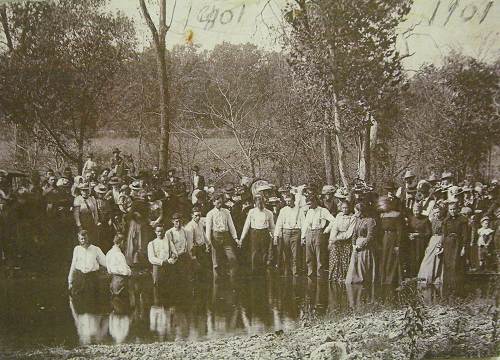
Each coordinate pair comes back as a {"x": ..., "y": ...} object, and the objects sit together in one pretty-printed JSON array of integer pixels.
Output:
[{"x": 250, "y": 179}]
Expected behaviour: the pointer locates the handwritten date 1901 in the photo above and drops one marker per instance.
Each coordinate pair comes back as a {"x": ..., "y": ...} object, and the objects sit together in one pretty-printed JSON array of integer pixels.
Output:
[{"x": 210, "y": 15}]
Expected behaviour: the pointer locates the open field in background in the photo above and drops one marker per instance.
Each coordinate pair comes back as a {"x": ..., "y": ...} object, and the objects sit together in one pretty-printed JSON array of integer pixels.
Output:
[{"x": 185, "y": 152}]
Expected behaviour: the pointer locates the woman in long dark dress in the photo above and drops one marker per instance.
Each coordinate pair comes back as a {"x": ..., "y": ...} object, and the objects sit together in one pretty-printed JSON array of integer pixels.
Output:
[
  {"x": 455, "y": 236},
  {"x": 419, "y": 232},
  {"x": 392, "y": 234},
  {"x": 139, "y": 231},
  {"x": 362, "y": 265},
  {"x": 340, "y": 244}
]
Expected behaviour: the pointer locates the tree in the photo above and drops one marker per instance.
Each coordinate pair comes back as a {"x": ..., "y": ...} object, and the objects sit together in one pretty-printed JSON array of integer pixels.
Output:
[
  {"x": 344, "y": 52},
  {"x": 159, "y": 41},
  {"x": 62, "y": 60}
]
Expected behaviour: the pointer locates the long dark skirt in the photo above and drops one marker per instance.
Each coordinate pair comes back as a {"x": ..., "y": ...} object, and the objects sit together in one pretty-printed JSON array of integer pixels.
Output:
[
  {"x": 453, "y": 263},
  {"x": 138, "y": 237},
  {"x": 259, "y": 250},
  {"x": 340, "y": 256},
  {"x": 416, "y": 249},
  {"x": 85, "y": 284},
  {"x": 389, "y": 262},
  {"x": 118, "y": 285},
  {"x": 361, "y": 267}
]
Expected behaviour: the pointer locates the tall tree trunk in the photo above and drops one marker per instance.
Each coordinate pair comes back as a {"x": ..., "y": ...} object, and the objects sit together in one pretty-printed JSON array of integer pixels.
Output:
[
  {"x": 164, "y": 101},
  {"x": 338, "y": 141},
  {"x": 161, "y": 52},
  {"x": 327, "y": 153},
  {"x": 327, "y": 157}
]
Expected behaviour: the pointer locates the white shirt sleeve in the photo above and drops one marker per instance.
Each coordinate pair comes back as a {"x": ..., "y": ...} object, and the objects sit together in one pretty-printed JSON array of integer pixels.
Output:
[
  {"x": 72, "y": 267},
  {"x": 152, "y": 256},
  {"x": 232, "y": 229},
  {"x": 279, "y": 223},
  {"x": 101, "y": 258},
  {"x": 208, "y": 227},
  {"x": 246, "y": 227}
]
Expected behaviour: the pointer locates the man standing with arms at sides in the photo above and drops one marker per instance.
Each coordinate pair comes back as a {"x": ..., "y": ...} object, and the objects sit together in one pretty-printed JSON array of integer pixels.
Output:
[
  {"x": 200, "y": 243},
  {"x": 222, "y": 237},
  {"x": 312, "y": 228},
  {"x": 162, "y": 255},
  {"x": 82, "y": 277},
  {"x": 288, "y": 226},
  {"x": 118, "y": 268}
]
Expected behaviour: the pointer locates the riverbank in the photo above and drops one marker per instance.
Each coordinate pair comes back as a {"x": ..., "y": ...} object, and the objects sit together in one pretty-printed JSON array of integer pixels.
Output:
[{"x": 458, "y": 330}]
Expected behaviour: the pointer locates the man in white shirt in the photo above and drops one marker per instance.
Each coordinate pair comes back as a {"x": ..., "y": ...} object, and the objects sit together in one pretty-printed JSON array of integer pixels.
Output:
[
  {"x": 183, "y": 244},
  {"x": 118, "y": 268},
  {"x": 260, "y": 225},
  {"x": 201, "y": 247},
  {"x": 222, "y": 237},
  {"x": 288, "y": 227},
  {"x": 312, "y": 228},
  {"x": 82, "y": 277},
  {"x": 162, "y": 255}
]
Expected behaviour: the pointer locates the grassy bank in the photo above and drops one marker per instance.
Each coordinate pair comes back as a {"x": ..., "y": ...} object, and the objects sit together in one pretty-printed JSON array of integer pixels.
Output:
[{"x": 462, "y": 330}]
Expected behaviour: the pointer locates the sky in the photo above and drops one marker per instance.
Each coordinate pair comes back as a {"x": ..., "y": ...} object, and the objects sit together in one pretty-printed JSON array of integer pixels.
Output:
[{"x": 438, "y": 26}]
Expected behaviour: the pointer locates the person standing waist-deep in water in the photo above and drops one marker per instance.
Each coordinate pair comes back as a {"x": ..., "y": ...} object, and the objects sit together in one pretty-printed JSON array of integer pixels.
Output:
[{"x": 260, "y": 225}]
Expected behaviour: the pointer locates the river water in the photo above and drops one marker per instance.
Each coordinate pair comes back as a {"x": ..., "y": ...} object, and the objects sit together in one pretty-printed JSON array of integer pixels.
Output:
[{"x": 37, "y": 313}]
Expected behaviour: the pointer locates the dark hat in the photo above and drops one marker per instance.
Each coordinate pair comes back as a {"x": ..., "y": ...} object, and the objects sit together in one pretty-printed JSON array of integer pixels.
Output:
[
  {"x": 171, "y": 171},
  {"x": 115, "y": 180},
  {"x": 84, "y": 186},
  {"x": 195, "y": 168},
  {"x": 116, "y": 151},
  {"x": 101, "y": 189}
]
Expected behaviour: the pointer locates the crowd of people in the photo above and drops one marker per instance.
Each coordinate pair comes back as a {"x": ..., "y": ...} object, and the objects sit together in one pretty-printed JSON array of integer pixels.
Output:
[{"x": 433, "y": 229}]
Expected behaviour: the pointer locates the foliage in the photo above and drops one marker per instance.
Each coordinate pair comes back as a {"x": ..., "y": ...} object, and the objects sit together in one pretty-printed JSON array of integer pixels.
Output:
[
  {"x": 414, "y": 316},
  {"x": 63, "y": 58}
]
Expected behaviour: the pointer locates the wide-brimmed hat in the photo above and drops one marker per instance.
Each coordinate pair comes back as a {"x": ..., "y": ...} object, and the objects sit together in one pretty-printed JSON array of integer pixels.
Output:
[
  {"x": 264, "y": 187},
  {"x": 341, "y": 193},
  {"x": 101, "y": 189},
  {"x": 408, "y": 174},
  {"x": 115, "y": 180},
  {"x": 136, "y": 186},
  {"x": 485, "y": 218},
  {"x": 466, "y": 211},
  {"x": 195, "y": 168},
  {"x": 172, "y": 170},
  {"x": 84, "y": 186},
  {"x": 63, "y": 182},
  {"x": 328, "y": 189},
  {"x": 446, "y": 175}
]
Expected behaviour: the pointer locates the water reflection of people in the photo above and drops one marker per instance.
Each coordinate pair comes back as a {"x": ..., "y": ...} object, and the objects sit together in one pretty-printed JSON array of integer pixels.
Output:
[
  {"x": 82, "y": 277},
  {"x": 119, "y": 319},
  {"x": 91, "y": 326}
]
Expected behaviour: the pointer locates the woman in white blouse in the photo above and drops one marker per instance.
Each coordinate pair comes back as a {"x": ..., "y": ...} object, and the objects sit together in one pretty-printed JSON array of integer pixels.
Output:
[
  {"x": 340, "y": 246},
  {"x": 260, "y": 226}
]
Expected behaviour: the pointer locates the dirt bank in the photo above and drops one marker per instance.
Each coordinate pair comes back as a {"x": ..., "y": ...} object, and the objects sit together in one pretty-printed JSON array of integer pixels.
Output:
[{"x": 459, "y": 330}]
